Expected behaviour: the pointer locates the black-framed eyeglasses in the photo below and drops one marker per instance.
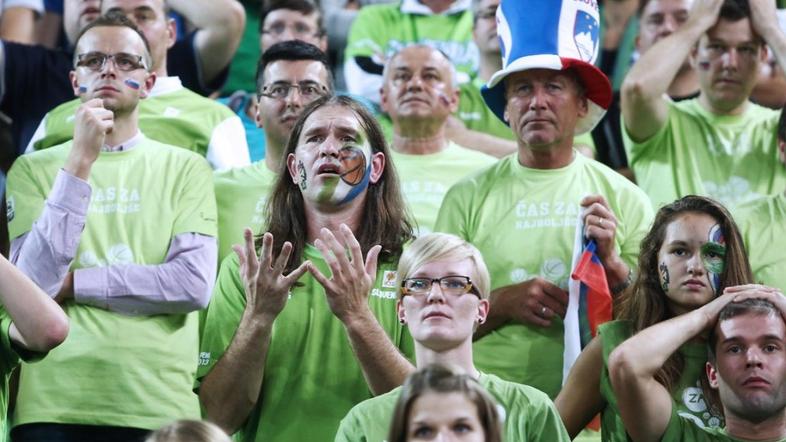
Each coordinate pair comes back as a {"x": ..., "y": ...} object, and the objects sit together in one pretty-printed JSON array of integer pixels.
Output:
[
  {"x": 299, "y": 30},
  {"x": 450, "y": 285},
  {"x": 307, "y": 89},
  {"x": 95, "y": 61}
]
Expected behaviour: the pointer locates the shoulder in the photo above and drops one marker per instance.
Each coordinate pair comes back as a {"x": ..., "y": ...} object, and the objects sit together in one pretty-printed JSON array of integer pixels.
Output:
[
  {"x": 612, "y": 180},
  {"x": 485, "y": 180},
  {"x": 183, "y": 98},
  {"x": 253, "y": 176},
  {"x": 380, "y": 11},
  {"x": 511, "y": 393}
]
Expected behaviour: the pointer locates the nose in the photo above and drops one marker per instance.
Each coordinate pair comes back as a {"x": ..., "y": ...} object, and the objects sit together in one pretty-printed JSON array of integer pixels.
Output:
[
  {"x": 730, "y": 58},
  {"x": 106, "y": 69},
  {"x": 539, "y": 97},
  {"x": 669, "y": 26},
  {"x": 330, "y": 147},
  {"x": 294, "y": 98},
  {"x": 695, "y": 265},
  {"x": 753, "y": 357},
  {"x": 414, "y": 83},
  {"x": 435, "y": 294}
]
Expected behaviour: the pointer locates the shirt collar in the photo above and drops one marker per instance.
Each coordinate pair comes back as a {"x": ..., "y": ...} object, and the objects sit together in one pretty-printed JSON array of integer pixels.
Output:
[
  {"x": 126, "y": 145},
  {"x": 165, "y": 85},
  {"x": 416, "y": 7}
]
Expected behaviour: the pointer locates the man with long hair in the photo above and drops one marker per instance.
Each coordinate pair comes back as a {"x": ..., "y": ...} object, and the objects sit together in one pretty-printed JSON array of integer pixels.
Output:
[{"x": 285, "y": 355}]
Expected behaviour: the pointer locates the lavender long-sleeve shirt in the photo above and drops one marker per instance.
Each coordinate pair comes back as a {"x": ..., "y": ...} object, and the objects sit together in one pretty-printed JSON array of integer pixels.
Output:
[{"x": 181, "y": 284}]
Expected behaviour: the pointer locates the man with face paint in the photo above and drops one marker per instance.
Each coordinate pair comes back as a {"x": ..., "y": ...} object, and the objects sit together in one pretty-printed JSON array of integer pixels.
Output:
[
  {"x": 719, "y": 144},
  {"x": 173, "y": 114},
  {"x": 35, "y": 79},
  {"x": 120, "y": 229},
  {"x": 763, "y": 226},
  {"x": 284, "y": 354},
  {"x": 746, "y": 369},
  {"x": 419, "y": 93},
  {"x": 290, "y": 75}
]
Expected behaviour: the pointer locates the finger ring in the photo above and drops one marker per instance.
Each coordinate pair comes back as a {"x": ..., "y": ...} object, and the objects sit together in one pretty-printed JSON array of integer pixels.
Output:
[
  {"x": 543, "y": 310},
  {"x": 600, "y": 221}
]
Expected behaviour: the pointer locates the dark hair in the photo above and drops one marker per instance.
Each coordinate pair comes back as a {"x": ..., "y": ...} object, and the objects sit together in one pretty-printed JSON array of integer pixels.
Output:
[
  {"x": 186, "y": 430},
  {"x": 385, "y": 219},
  {"x": 734, "y": 10},
  {"x": 644, "y": 303},
  {"x": 782, "y": 125},
  {"x": 304, "y": 7},
  {"x": 440, "y": 379},
  {"x": 754, "y": 305},
  {"x": 292, "y": 50},
  {"x": 119, "y": 20}
]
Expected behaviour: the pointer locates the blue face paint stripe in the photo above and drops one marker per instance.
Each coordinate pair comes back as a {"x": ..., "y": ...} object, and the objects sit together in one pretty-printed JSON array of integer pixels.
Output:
[{"x": 356, "y": 190}]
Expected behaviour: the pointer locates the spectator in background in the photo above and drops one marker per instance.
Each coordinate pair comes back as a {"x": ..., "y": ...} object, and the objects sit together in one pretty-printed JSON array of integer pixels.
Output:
[
  {"x": 419, "y": 94},
  {"x": 340, "y": 336},
  {"x": 120, "y": 229},
  {"x": 437, "y": 402},
  {"x": 280, "y": 20},
  {"x": 17, "y": 19},
  {"x": 381, "y": 30},
  {"x": 291, "y": 75},
  {"x": 35, "y": 79},
  {"x": 443, "y": 288},
  {"x": 172, "y": 114},
  {"x": 763, "y": 225},
  {"x": 719, "y": 144},
  {"x": 523, "y": 212}
]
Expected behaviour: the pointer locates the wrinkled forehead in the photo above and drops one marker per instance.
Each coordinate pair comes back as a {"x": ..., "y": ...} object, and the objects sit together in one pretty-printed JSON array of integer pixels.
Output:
[
  {"x": 287, "y": 16},
  {"x": 416, "y": 58},
  {"x": 752, "y": 326},
  {"x": 731, "y": 33},
  {"x": 665, "y": 7},
  {"x": 338, "y": 119},
  {"x": 111, "y": 40}
]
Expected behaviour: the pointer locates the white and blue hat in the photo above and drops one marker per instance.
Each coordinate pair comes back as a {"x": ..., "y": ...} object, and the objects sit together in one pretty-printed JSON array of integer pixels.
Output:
[{"x": 551, "y": 34}]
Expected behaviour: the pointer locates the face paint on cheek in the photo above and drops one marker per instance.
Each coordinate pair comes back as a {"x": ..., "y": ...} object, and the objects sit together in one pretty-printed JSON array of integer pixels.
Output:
[
  {"x": 356, "y": 164},
  {"x": 704, "y": 65},
  {"x": 133, "y": 84},
  {"x": 664, "y": 277},
  {"x": 302, "y": 179},
  {"x": 713, "y": 256},
  {"x": 82, "y": 88}
]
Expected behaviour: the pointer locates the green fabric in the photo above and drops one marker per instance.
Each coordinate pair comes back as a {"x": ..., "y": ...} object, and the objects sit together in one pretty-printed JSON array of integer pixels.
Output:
[
  {"x": 425, "y": 179},
  {"x": 529, "y": 414},
  {"x": 179, "y": 118},
  {"x": 732, "y": 159},
  {"x": 242, "y": 70},
  {"x": 312, "y": 378},
  {"x": 113, "y": 369},
  {"x": 524, "y": 223},
  {"x": 689, "y": 400},
  {"x": 476, "y": 115},
  {"x": 380, "y": 30},
  {"x": 8, "y": 361},
  {"x": 241, "y": 194},
  {"x": 682, "y": 429},
  {"x": 763, "y": 226}
]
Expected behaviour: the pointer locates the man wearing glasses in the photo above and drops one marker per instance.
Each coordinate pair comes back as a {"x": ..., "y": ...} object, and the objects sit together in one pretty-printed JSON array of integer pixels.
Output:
[
  {"x": 120, "y": 229},
  {"x": 443, "y": 297},
  {"x": 290, "y": 75}
]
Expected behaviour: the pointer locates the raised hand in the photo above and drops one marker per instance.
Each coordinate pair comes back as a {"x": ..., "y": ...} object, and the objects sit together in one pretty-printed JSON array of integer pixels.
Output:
[
  {"x": 91, "y": 124},
  {"x": 348, "y": 288},
  {"x": 266, "y": 286}
]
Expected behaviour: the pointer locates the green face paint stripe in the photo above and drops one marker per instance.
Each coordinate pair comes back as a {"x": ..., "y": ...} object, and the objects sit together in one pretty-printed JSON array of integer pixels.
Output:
[
  {"x": 713, "y": 264},
  {"x": 664, "y": 277},
  {"x": 327, "y": 191}
]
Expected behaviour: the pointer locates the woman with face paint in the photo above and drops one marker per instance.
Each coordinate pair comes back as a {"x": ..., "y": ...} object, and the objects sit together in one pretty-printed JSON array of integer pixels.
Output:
[{"x": 692, "y": 253}]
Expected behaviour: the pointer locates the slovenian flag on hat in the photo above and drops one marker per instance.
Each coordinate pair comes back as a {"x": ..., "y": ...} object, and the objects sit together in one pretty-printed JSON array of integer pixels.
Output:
[{"x": 551, "y": 34}]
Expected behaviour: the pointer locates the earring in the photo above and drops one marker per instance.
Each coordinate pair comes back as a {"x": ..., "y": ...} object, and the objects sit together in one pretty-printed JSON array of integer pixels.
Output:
[
  {"x": 481, "y": 321},
  {"x": 402, "y": 321}
]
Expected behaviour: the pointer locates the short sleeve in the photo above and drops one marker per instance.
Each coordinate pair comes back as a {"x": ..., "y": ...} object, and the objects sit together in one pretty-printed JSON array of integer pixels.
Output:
[{"x": 453, "y": 212}]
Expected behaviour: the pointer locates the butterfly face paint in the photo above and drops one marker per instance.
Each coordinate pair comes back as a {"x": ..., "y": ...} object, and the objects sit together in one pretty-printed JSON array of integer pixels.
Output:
[
  {"x": 713, "y": 256},
  {"x": 354, "y": 169}
]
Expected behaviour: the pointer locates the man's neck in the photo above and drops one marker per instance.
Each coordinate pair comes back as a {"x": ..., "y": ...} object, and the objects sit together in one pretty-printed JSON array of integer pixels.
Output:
[
  {"x": 686, "y": 83},
  {"x": 124, "y": 128},
  {"x": 438, "y": 6},
  {"x": 331, "y": 218},
  {"x": 707, "y": 105},
  {"x": 419, "y": 144},
  {"x": 273, "y": 154},
  {"x": 771, "y": 429},
  {"x": 553, "y": 157},
  {"x": 460, "y": 357},
  {"x": 490, "y": 62}
]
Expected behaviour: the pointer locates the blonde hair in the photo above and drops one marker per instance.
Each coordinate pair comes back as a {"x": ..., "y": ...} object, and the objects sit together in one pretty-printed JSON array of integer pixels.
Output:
[
  {"x": 443, "y": 247},
  {"x": 189, "y": 431}
]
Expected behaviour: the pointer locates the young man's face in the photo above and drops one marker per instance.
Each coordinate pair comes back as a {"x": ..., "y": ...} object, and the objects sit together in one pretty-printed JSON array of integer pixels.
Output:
[
  {"x": 727, "y": 60},
  {"x": 659, "y": 19},
  {"x": 77, "y": 14},
  {"x": 543, "y": 106},
  {"x": 122, "y": 79},
  {"x": 334, "y": 163},
  {"x": 287, "y": 24},
  {"x": 484, "y": 31},
  {"x": 750, "y": 369},
  {"x": 151, "y": 19},
  {"x": 277, "y": 116},
  {"x": 419, "y": 85}
]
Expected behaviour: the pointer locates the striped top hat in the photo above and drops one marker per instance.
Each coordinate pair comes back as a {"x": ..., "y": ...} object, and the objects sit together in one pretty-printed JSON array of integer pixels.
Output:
[{"x": 551, "y": 34}]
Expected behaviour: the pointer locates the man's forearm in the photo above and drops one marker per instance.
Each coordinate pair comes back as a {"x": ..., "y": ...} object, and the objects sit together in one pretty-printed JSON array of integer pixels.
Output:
[
  {"x": 483, "y": 142},
  {"x": 384, "y": 367},
  {"x": 183, "y": 283},
  {"x": 231, "y": 389}
]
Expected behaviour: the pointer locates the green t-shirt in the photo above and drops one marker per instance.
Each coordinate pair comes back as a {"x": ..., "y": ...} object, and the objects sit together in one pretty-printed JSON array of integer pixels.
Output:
[
  {"x": 529, "y": 414},
  {"x": 381, "y": 30},
  {"x": 178, "y": 117},
  {"x": 312, "y": 378},
  {"x": 763, "y": 226},
  {"x": 682, "y": 429},
  {"x": 476, "y": 115},
  {"x": 241, "y": 194},
  {"x": 731, "y": 158},
  {"x": 8, "y": 361},
  {"x": 689, "y": 400},
  {"x": 114, "y": 369},
  {"x": 425, "y": 179},
  {"x": 523, "y": 221}
]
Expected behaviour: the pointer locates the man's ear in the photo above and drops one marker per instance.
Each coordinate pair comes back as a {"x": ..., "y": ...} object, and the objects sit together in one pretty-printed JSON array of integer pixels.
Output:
[
  {"x": 257, "y": 117},
  {"x": 171, "y": 36},
  {"x": 292, "y": 168},
  {"x": 148, "y": 84},
  {"x": 712, "y": 375},
  {"x": 377, "y": 166},
  {"x": 74, "y": 83},
  {"x": 383, "y": 99}
]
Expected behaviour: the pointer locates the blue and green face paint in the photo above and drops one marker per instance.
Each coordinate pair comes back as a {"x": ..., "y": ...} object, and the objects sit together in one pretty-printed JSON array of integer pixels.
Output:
[
  {"x": 351, "y": 181},
  {"x": 713, "y": 256}
]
